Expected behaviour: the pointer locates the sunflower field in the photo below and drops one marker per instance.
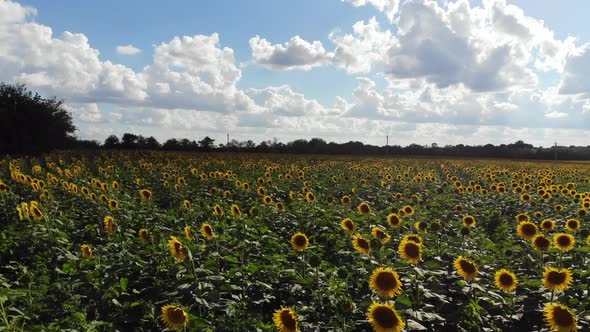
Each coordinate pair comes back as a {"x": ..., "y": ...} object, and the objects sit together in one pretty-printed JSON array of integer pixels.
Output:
[{"x": 152, "y": 241}]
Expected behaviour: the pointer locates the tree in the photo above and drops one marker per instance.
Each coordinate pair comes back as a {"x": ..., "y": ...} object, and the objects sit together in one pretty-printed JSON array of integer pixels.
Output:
[
  {"x": 207, "y": 143},
  {"x": 111, "y": 142},
  {"x": 31, "y": 124},
  {"x": 129, "y": 141}
]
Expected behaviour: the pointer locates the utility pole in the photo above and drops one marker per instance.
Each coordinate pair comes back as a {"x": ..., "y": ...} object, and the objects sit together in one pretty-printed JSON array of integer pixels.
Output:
[
  {"x": 387, "y": 144},
  {"x": 555, "y": 150},
  {"x": 227, "y": 138}
]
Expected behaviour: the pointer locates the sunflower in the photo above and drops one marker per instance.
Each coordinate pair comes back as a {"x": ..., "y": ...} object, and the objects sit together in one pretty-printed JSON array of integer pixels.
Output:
[
  {"x": 86, "y": 251},
  {"x": 384, "y": 318},
  {"x": 465, "y": 268},
  {"x": 560, "y": 318},
  {"x": 458, "y": 208},
  {"x": 309, "y": 197},
  {"x": 280, "y": 207},
  {"x": 564, "y": 242},
  {"x": 385, "y": 282},
  {"x": 260, "y": 191},
  {"x": 235, "y": 211},
  {"x": 113, "y": 204},
  {"x": 363, "y": 209},
  {"x": 174, "y": 316},
  {"x": 176, "y": 248},
  {"x": 522, "y": 217},
  {"x": 408, "y": 210},
  {"x": 345, "y": 200},
  {"x": 421, "y": 226},
  {"x": 541, "y": 243},
  {"x": 547, "y": 225},
  {"x": 557, "y": 280},
  {"x": 394, "y": 220},
  {"x": 380, "y": 235},
  {"x": 36, "y": 212},
  {"x": 217, "y": 210},
  {"x": 410, "y": 251},
  {"x": 145, "y": 194},
  {"x": 109, "y": 225},
  {"x": 348, "y": 225},
  {"x": 469, "y": 221},
  {"x": 525, "y": 198},
  {"x": 186, "y": 204},
  {"x": 527, "y": 230},
  {"x": 361, "y": 245},
  {"x": 413, "y": 238},
  {"x": 207, "y": 231},
  {"x": 572, "y": 224},
  {"x": 285, "y": 320},
  {"x": 267, "y": 199},
  {"x": 299, "y": 241},
  {"x": 558, "y": 208},
  {"x": 188, "y": 234},
  {"x": 538, "y": 214},
  {"x": 143, "y": 234},
  {"x": 505, "y": 280}
]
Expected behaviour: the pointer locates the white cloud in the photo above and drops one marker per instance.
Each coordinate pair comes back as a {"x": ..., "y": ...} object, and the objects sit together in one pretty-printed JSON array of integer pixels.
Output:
[
  {"x": 576, "y": 76},
  {"x": 294, "y": 54},
  {"x": 128, "y": 50},
  {"x": 11, "y": 12},
  {"x": 388, "y": 7}
]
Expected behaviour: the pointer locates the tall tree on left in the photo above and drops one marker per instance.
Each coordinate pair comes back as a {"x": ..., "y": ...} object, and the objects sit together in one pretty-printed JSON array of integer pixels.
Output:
[{"x": 31, "y": 124}]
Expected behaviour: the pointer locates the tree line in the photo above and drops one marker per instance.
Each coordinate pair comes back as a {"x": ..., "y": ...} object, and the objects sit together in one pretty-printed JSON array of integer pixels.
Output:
[{"x": 30, "y": 124}]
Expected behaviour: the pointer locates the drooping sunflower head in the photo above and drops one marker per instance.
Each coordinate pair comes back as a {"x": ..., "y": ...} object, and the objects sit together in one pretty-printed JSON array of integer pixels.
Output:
[
  {"x": 465, "y": 268},
  {"x": 207, "y": 231},
  {"x": 348, "y": 225},
  {"x": 361, "y": 245},
  {"x": 393, "y": 220},
  {"x": 564, "y": 242},
  {"x": 145, "y": 194},
  {"x": 188, "y": 234},
  {"x": 557, "y": 279},
  {"x": 363, "y": 209},
  {"x": 299, "y": 241},
  {"x": 176, "y": 248},
  {"x": 385, "y": 282},
  {"x": 174, "y": 316},
  {"x": 526, "y": 230},
  {"x": 505, "y": 280},
  {"x": 469, "y": 221},
  {"x": 410, "y": 251},
  {"x": 541, "y": 243},
  {"x": 547, "y": 225},
  {"x": 380, "y": 235},
  {"x": 384, "y": 318},
  {"x": 285, "y": 320},
  {"x": 109, "y": 225},
  {"x": 572, "y": 224},
  {"x": 86, "y": 251},
  {"x": 560, "y": 318}
]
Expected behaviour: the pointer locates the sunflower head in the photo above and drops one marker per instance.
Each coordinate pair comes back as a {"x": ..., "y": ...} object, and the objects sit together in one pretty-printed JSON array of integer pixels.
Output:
[
  {"x": 410, "y": 251},
  {"x": 380, "y": 235},
  {"x": 174, "y": 316},
  {"x": 505, "y": 280},
  {"x": 36, "y": 212},
  {"x": 564, "y": 242},
  {"x": 361, "y": 245},
  {"x": 267, "y": 199},
  {"x": 143, "y": 234},
  {"x": 145, "y": 194},
  {"x": 385, "y": 282},
  {"x": 188, "y": 234},
  {"x": 547, "y": 225},
  {"x": 469, "y": 221},
  {"x": 186, "y": 204},
  {"x": 363, "y": 209},
  {"x": 113, "y": 204},
  {"x": 235, "y": 211},
  {"x": 345, "y": 200},
  {"x": 393, "y": 220},
  {"x": 280, "y": 207},
  {"x": 176, "y": 249},
  {"x": 541, "y": 243},
  {"x": 527, "y": 230},
  {"x": 572, "y": 224},
  {"x": 525, "y": 198},
  {"x": 109, "y": 225},
  {"x": 207, "y": 231},
  {"x": 465, "y": 268},
  {"x": 348, "y": 225},
  {"x": 299, "y": 241},
  {"x": 522, "y": 217},
  {"x": 408, "y": 210},
  {"x": 384, "y": 318},
  {"x": 560, "y": 318},
  {"x": 310, "y": 197},
  {"x": 86, "y": 251},
  {"x": 557, "y": 279},
  {"x": 285, "y": 320},
  {"x": 217, "y": 210}
]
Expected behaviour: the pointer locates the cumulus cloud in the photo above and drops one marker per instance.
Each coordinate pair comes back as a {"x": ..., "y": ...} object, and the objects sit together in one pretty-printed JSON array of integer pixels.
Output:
[
  {"x": 128, "y": 50},
  {"x": 576, "y": 76},
  {"x": 387, "y": 7},
  {"x": 294, "y": 54}
]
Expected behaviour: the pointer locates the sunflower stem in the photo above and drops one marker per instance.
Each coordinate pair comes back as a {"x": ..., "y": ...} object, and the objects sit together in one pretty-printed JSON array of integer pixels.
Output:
[
  {"x": 552, "y": 293},
  {"x": 417, "y": 289}
]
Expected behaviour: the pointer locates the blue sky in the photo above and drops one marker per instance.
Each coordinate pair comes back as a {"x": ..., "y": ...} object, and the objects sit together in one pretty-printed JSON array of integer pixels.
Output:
[{"x": 412, "y": 69}]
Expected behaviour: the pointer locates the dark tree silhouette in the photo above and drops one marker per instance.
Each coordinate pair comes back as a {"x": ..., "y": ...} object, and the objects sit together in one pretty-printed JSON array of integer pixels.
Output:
[
  {"x": 207, "y": 143},
  {"x": 111, "y": 142},
  {"x": 31, "y": 124}
]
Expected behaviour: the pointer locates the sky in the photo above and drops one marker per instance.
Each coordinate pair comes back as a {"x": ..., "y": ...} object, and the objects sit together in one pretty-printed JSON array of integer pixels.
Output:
[{"x": 416, "y": 71}]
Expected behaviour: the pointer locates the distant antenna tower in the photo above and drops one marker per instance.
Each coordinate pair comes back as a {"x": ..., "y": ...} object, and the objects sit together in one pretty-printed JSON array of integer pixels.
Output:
[
  {"x": 556, "y": 150},
  {"x": 228, "y": 138}
]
